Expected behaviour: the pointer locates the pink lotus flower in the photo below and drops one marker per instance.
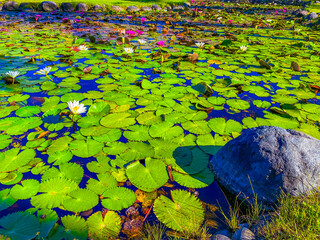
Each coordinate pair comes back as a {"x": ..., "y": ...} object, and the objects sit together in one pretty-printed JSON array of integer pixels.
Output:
[
  {"x": 129, "y": 17},
  {"x": 230, "y": 21},
  {"x": 37, "y": 17},
  {"x": 160, "y": 43},
  {"x": 131, "y": 32},
  {"x": 143, "y": 19},
  {"x": 276, "y": 13},
  {"x": 139, "y": 32},
  {"x": 77, "y": 20}
]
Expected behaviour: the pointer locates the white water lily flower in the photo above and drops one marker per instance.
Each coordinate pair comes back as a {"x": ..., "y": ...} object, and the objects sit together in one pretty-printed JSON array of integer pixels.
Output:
[
  {"x": 82, "y": 48},
  {"x": 142, "y": 41},
  {"x": 128, "y": 50},
  {"x": 269, "y": 20},
  {"x": 76, "y": 107},
  {"x": 200, "y": 44},
  {"x": 13, "y": 74},
  {"x": 243, "y": 48},
  {"x": 297, "y": 30},
  {"x": 44, "y": 71}
]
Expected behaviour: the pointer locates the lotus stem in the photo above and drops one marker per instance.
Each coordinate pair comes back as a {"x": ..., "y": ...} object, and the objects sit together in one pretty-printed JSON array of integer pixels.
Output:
[
  {"x": 148, "y": 213},
  {"x": 74, "y": 127}
]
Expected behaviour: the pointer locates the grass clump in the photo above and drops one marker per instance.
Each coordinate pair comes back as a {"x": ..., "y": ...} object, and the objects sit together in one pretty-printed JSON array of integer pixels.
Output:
[{"x": 297, "y": 217}]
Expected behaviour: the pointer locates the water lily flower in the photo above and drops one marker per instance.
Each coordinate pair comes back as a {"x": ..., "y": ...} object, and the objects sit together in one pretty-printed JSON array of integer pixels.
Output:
[
  {"x": 230, "y": 21},
  {"x": 142, "y": 41},
  {"x": 139, "y": 32},
  {"x": 143, "y": 19},
  {"x": 243, "y": 48},
  {"x": 82, "y": 48},
  {"x": 130, "y": 17},
  {"x": 276, "y": 12},
  {"x": 161, "y": 43},
  {"x": 131, "y": 32},
  {"x": 37, "y": 17},
  {"x": 13, "y": 74},
  {"x": 200, "y": 44},
  {"x": 129, "y": 50},
  {"x": 76, "y": 108},
  {"x": 44, "y": 71},
  {"x": 77, "y": 20},
  {"x": 297, "y": 30}
]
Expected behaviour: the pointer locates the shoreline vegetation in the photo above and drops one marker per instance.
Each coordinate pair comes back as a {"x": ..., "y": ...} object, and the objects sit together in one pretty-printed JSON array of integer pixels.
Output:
[{"x": 108, "y": 3}]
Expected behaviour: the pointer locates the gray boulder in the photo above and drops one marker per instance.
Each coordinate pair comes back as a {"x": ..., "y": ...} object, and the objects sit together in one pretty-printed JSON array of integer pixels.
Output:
[
  {"x": 48, "y": 6},
  {"x": 116, "y": 8},
  {"x": 156, "y": 7},
  {"x": 312, "y": 16},
  {"x": 82, "y": 7},
  {"x": 177, "y": 8},
  {"x": 132, "y": 9},
  {"x": 67, "y": 7},
  {"x": 301, "y": 13},
  {"x": 243, "y": 234},
  {"x": 146, "y": 9},
  {"x": 10, "y": 6},
  {"x": 187, "y": 4},
  {"x": 97, "y": 8},
  {"x": 25, "y": 7},
  {"x": 274, "y": 158},
  {"x": 220, "y": 237}
]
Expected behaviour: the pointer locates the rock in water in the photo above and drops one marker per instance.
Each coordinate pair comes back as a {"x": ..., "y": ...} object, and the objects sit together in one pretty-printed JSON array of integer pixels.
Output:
[
  {"x": 116, "y": 8},
  {"x": 274, "y": 158},
  {"x": 97, "y": 8},
  {"x": 10, "y": 6},
  {"x": 82, "y": 7},
  {"x": 132, "y": 9},
  {"x": 66, "y": 7},
  {"x": 48, "y": 6}
]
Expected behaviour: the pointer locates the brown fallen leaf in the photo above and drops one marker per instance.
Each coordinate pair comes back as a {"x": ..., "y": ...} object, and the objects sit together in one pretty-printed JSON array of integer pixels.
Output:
[
  {"x": 87, "y": 69},
  {"x": 193, "y": 58},
  {"x": 295, "y": 66}
]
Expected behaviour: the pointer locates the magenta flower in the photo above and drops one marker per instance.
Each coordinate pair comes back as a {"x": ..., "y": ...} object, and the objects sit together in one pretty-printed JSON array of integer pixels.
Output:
[
  {"x": 143, "y": 19},
  {"x": 129, "y": 17},
  {"x": 131, "y": 32},
  {"x": 230, "y": 21},
  {"x": 276, "y": 12},
  {"x": 65, "y": 19},
  {"x": 139, "y": 32},
  {"x": 160, "y": 43},
  {"x": 77, "y": 20},
  {"x": 37, "y": 17}
]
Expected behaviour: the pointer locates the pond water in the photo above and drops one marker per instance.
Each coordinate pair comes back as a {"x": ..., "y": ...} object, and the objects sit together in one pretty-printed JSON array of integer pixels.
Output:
[{"x": 156, "y": 112}]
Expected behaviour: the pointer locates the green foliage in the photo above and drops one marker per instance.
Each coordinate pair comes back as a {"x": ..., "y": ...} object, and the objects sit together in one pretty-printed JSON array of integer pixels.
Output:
[
  {"x": 149, "y": 177},
  {"x": 19, "y": 226},
  {"x": 118, "y": 198},
  {"x": 183, "y": 213}
]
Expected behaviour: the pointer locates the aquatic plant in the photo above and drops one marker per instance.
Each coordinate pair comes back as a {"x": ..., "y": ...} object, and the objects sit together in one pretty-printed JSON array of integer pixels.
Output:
[{"x": 183, "y": 213}]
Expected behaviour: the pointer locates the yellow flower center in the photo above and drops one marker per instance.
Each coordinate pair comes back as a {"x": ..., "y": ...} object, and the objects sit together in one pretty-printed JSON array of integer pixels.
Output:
[{"x": 75, "y": 109}]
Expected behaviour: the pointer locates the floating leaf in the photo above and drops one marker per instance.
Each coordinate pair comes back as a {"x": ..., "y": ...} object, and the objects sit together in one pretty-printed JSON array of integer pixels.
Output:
[
  {"x": 80, "y": 200},
  {"x": 117, "y": 120},
  {"x": 28, "y": 189},
  {"x": 75, "y": 227},
  {"x": 19, "y": 226},
  {"x": 85, "y": 149},
  {"x": 53, "y": 192},
  {"x": 149, "y": 177},
  {"x": 118, "y": 198},
  {"x": 104, "y": 227},
  {"x": 183, "y": 213}
]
